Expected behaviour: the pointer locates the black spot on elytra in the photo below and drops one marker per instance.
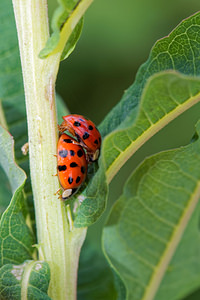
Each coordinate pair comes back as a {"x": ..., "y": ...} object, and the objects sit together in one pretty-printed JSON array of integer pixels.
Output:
[
  {"x": 62, "y": 168},
  {"x": 80, "y": 153},
  {"x": 96, "y": 142},
  {"x": 73, "y": 165},
  {"x": 72, "y": 153},
  {"x": 70, "y": 180},
  {"x": 67, "y": 141},
  {"x": 83, "y": 169},
  {"x": 63, "y": 153},
  {"x": 86, "y": 136},
  {"x": 99, "y": 139},
  {"x": 90, "y": 127},
  {"x": 78, "y": 179},
  {"x": 77, "y": 124}
]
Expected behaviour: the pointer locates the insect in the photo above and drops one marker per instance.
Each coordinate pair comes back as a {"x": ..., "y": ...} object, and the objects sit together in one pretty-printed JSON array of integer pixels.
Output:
[
  {"x": 86, "y": 133},
  {"x": 72, "y": 165}
]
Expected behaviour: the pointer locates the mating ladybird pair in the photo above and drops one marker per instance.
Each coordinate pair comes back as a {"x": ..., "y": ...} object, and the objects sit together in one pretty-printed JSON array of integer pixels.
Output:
[{"x": 75, "y": 154}]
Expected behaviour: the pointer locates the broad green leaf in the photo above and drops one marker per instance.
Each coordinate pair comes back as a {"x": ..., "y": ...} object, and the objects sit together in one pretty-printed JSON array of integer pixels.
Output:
[
  {"x": 165, "y": 96},
  {"x": 67, "y": 23},
  {"x": 158, "y": 209},
  {"x": 161, "y": 97},
  {"x": 16, "y": 176},
  {"x": 16, "y": 239},
  {"x": 27, "y": 281},
  {"x": 13, "y": 112},
  {"x": 186, "y": 261}
]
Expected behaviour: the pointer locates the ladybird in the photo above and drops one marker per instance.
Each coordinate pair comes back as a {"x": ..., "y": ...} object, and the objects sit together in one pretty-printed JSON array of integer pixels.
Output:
[
  {"x": 86, "y": 133},
  {"x": 72, "y": 165}
]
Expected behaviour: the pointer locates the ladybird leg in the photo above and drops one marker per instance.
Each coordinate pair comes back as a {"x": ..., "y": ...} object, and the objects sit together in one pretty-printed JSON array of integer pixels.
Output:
[
  {"x": 54, "y": 174},
  {"x": 64, "y": 126},
  {"x": 61, "y": 128},
  {"x": 60, "y": 197},
  {"x": 57, "y": 192},
  {"x": 88, "y": 158}
]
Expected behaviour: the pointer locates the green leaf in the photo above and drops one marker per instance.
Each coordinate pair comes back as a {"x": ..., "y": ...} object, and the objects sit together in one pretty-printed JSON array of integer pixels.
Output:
[
  {"x": 13, "y": 112},
  {"x": 72, "y": 41},
  {"x": 165, "y": 96},
  {"x": 158, "y": 209},
  {"x": 16, "y": 176},
  {"x": 27, "y": 281},
  {"x": 16, "y": 239},
  {"x": 161, "y": 97},
  {"x": 67, "y": 26},
  {"x": 5, "y": 192}
]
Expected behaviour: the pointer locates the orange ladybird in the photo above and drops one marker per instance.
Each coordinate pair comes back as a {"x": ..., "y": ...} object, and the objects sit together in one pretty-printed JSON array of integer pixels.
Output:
[
  {"x": 86, "y": 133},
  {"x": 72, "y": 165}
]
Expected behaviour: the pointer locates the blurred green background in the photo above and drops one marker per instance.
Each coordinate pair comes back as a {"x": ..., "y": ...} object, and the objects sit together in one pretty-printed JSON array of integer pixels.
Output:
[{"x": 116, "y": 39}]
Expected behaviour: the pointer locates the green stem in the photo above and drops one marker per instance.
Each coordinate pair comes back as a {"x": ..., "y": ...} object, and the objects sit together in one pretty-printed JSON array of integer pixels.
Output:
[{"x": 59, "y": 246}]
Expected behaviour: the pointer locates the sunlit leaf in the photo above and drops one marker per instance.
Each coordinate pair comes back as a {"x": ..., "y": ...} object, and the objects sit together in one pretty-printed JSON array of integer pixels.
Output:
[
  {"x": 165, "y": 96},
  {"x": 16, "y": 239},
  {"x": 158, "y": 209},
  {"x": 67, "y": 26}
]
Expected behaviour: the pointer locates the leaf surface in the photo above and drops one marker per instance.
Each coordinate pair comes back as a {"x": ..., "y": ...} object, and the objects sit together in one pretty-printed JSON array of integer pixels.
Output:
[
  {"x": 165, "y": 96},
  {"x": 158, "y": 209},
  {"x": 129, "y": 125},
  {"x": 16, "y": 239},
  {"x": 67, "y": 25},
  {"x": 27, "y": 281}
]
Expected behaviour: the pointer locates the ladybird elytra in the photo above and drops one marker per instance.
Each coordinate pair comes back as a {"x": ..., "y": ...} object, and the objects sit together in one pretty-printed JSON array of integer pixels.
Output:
[
  {"x": 70, "y": 165},
  {"x": 86, "y": 133}
]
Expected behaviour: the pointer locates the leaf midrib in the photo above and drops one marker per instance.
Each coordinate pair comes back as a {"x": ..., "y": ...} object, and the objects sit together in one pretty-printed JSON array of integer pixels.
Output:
[
  {"x": 147, "y": 134},
  {"x": 25, "y": 279},
  {"x": 160, "y": 269},
  {"x": 71, "y": 23}
]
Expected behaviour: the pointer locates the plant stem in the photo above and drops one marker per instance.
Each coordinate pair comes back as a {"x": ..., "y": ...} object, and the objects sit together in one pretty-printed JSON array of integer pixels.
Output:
[{"x": 59, "y": 246}]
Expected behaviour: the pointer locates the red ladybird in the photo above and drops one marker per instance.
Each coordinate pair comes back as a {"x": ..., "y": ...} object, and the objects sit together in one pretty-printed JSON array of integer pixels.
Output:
[
  {"x": 72, "y": 165},
  {"x": 86, "y": 133}
]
